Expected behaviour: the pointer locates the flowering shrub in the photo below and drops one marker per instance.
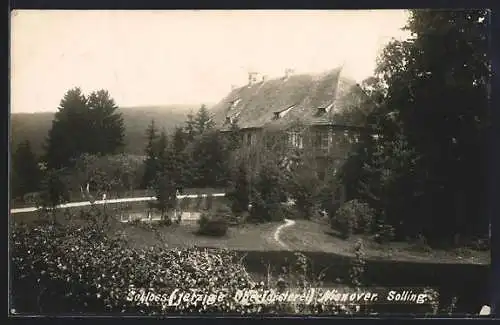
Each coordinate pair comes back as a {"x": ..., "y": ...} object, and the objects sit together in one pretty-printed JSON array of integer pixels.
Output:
[
  {"x": 69, "y": 269},
  {"x": 353, "y": 217}
]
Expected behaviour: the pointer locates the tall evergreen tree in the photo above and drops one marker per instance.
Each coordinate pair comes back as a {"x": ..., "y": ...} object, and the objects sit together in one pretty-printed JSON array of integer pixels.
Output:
[
  {"x": 234, "y": 138},
  {"x": 210, "y": 161},
  {"x": 68, "y": 137},
  {"x": 83, "y": 125},
  {"x": 426, "y": 167},
  {"x": 179, "y": 140},
  {"x": 26, "y": 170},
  {"x": 165, "y": 181},
  {"x": 179, "y": 147},
  {"x": 203, "y": 120},
  {"x": 190, "y": 127},
  {"x": 240, "y": 189},
  {"x": 107, "y": 126},
  {"x": 162, "y": 149}
]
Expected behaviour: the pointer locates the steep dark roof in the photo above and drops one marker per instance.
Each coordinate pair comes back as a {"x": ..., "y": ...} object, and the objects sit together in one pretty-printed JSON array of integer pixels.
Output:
[{"x": 310, "y": 99}]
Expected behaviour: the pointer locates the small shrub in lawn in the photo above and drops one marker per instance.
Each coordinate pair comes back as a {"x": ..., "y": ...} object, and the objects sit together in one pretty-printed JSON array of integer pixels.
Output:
[
  {"x": 165, "y": 222},
  {"x": 353, "y": 217},
  {"x": 212, "y": 225},
  {"x": 135, "y": 221},
  {"x": 224, "y": 212}
]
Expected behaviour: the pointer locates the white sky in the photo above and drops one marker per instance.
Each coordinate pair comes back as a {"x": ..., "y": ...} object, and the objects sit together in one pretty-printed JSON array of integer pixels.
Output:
[{"x": 183, "y": 57}]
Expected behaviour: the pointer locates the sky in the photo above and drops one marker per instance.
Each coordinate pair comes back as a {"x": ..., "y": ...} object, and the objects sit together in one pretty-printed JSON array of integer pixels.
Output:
[{"x": 184, "y": 57}]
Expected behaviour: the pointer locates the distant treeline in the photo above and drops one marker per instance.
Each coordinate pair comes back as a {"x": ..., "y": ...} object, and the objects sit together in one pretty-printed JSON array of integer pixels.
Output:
[{"x": 35, "y": 126}]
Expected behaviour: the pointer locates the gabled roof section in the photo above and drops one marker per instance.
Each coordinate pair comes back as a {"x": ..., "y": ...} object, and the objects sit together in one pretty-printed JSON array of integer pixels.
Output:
[{"x": 311, "y": 99}]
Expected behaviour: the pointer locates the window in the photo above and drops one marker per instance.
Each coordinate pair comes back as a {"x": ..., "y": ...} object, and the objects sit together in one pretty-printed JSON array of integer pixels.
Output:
[
  {"x": 295, "y": 140},
  {"x": 322, "y": 139},
  {"x": 253, "y": 138},
  {"x": 248, "y": 139}
]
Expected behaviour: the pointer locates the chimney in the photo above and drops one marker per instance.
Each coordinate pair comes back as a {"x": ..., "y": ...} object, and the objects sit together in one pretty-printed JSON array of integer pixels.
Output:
[{"x": 252, "y": 78}]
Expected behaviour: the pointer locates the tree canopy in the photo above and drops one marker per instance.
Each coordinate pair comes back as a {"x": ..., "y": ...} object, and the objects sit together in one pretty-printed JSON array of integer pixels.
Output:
[
  {"x": 424, "y": 170},
  {"x": 26, "y": 174},
  {"x": 84, "y": 125}
]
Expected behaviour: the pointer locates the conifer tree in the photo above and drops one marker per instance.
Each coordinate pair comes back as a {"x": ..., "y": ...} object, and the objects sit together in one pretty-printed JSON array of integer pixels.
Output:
[
  {"x": 26, "y": 170},
  {"x": 150, "y": 164}
]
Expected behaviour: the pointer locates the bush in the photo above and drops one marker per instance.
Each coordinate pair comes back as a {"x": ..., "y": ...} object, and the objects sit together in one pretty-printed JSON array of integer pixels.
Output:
[
  {"x": 240, "y": 187},
  {"x": 304, "y": 187},
  {"x": 267, "y": 195},
  {"x": 480, "y": 244},
  {"x": 353, "y": 217},
  {"x": 62, "y": 269},
  {"x": 167, "y": 221},
  {"x": 289, "y": 211},
  {"x": 384, "y": 234},
  {"x": 211, "y": 224},
  {"x": 266, "y": 209}
]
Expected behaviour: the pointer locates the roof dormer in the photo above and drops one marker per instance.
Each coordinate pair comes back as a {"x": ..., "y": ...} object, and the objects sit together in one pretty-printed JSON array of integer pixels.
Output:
[
  {"x": 279, "y": 114},
  {"x": 321, "y": 111}
]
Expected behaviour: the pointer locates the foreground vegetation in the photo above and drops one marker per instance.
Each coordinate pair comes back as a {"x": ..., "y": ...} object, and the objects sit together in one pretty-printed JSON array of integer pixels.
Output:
[
  {"x": 84, "y": 267},
  {"x": 415, "y": 177}
]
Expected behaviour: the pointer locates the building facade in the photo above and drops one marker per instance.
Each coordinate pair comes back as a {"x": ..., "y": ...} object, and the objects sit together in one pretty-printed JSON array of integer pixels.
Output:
[{"x": 319, "y": 113}]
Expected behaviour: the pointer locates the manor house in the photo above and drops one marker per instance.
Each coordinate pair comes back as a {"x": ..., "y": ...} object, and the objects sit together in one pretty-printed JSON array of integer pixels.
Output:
[{"x": 318, "y": 112}]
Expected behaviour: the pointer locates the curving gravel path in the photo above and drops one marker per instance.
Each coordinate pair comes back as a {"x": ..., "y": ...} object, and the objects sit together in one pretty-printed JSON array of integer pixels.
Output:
[{"x": 276, "y": 236}]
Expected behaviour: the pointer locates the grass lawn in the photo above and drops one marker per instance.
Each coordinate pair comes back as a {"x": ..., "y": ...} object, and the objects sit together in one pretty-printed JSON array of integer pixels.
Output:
[
  {"x": 304, "y": 235},
  {"x": 245, "y": 237},
  {"x": 309, "y": 235}
]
